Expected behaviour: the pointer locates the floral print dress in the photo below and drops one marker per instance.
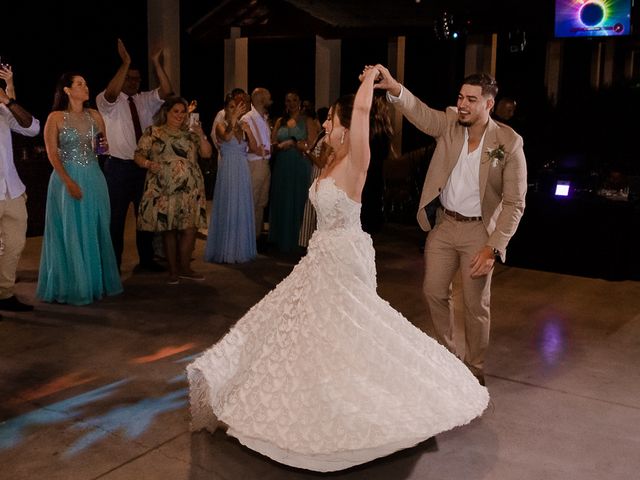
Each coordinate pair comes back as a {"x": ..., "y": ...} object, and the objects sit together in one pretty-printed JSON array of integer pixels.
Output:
[{"x": 174, "y": 198}]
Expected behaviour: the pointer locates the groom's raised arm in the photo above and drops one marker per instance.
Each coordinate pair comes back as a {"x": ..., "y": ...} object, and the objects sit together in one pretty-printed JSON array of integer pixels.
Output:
[{"x": 430, "y": 121}]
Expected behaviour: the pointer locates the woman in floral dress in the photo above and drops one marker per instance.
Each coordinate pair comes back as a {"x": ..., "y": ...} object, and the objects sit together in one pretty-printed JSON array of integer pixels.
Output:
[{"x": 174, "y": 200}]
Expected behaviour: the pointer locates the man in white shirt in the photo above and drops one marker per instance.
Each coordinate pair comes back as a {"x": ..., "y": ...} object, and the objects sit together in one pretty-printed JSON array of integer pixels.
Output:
[
  {"x": 476, "y": 185},
  {"x": 127, "y": 113},
  {"x": 258, "y": 121},
  {"x": 13, "y": 209}
]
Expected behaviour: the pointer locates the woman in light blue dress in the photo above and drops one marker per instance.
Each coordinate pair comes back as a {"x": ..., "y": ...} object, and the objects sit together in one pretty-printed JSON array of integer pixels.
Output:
[
  {"x": 231, "y": 237},
  {"x": 291, "y": 174},
  {"x": 77, "y": 264}
]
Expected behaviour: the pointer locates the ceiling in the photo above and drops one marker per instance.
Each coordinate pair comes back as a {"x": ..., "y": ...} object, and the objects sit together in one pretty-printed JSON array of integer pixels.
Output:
[{"x": 343, "y": 18}]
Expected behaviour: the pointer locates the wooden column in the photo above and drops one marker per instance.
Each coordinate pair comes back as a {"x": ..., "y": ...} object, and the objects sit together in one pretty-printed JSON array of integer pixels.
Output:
[
  {"x": 328, "y": 56},
  {"x": 553, "y": 70},
  {"x": 236, "y": 62},
  {"x": 480, "y": 54},
  {"x": 163, "y": 18},
  {"x": 395, "y": 61},
  {"x": 608, "y": 62},
  {"x": 596, "y": 65},
  {"x": 629, "y": 65}
]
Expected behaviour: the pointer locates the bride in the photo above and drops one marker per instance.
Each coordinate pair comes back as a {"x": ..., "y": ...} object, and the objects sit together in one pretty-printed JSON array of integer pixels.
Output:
[{"x": 322, "y": 373}]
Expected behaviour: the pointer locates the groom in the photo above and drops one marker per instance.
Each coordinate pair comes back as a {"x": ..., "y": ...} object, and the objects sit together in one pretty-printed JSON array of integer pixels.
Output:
[{"x": 472, "y": 201}]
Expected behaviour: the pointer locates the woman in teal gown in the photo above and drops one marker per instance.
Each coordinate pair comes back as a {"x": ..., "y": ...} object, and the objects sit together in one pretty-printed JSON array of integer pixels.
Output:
[
  {"x": 77, "y": 264},
  {"x": 291, "y": 175}
]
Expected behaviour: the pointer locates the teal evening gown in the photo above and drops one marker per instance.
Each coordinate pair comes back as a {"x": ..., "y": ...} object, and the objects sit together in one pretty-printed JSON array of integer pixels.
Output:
[
  {"x": 289, "y": 189},
  {"x": 77, "y": 264}
]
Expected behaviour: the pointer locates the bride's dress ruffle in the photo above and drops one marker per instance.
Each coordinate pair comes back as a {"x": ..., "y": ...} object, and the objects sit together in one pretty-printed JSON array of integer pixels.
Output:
[{"x": 322, "y": 373}]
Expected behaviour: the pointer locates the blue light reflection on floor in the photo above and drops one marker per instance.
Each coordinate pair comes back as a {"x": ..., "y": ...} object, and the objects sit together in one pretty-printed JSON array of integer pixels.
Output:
[
  {"x": 179, "y": 378},
  {"x": 188, "y": 358},
  {"x": 133, "y": 419},
  {"x": 13, "y": 430},
  {"x": 552, "y": 340}
]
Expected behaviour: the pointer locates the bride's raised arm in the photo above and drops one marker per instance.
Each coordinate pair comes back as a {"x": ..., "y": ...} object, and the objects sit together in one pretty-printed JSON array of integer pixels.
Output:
[{"x": 359, "y": 131}]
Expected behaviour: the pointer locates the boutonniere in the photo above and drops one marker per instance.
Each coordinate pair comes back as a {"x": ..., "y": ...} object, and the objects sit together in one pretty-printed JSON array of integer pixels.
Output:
[{"x": 496, "y": 155}]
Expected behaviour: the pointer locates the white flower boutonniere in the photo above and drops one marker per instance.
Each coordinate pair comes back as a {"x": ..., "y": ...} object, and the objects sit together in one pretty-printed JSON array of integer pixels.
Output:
[{"x": 496, "y": 155}]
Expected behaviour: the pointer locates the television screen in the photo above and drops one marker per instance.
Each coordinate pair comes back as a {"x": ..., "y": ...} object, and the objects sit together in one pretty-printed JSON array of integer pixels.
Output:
[{"x": 592, "y": 18}]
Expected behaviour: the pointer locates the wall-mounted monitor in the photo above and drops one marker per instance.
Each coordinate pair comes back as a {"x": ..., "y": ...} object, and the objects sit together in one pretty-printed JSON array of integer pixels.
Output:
[{"x": 592, "y": 18}]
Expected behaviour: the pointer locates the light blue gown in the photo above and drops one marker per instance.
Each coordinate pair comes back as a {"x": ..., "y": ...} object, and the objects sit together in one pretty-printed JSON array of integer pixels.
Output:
[
  {"x": 232, "y": 233},
  {"x": 77, "y": 264}
]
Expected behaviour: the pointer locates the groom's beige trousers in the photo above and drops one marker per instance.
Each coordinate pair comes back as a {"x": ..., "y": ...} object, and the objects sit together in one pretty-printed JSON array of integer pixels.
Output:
[
  {"x": 260, "y": 180},
  {"x": 450, "y": 247},
  {"x": 13, "y": 229}
]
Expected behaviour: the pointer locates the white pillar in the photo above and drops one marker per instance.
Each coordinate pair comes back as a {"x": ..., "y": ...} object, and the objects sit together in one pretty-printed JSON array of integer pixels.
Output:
[
  {"x": 553, "y": 70},
  {"x": 328, "y": 56},
  {"x": 236, "y": 62},
  {"x": 163, "y": 17},
  {"x": 396, "y": 59}
]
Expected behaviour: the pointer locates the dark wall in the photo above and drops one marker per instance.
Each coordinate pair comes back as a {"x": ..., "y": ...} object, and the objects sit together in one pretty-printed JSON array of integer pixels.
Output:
[
  {"x": 41, "y": 41},
  {"x": 281, "y": 65}
]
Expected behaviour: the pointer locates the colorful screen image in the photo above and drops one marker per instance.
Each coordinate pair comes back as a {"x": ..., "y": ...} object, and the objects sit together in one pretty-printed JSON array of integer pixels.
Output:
[{"x": 592, "y": 18}]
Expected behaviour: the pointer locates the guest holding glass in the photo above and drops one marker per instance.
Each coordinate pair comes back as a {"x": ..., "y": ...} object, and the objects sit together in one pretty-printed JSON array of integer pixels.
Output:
[
  {"x": 231, "y": 237},
  {"x": 77, "y": 264},
  {"x": 291, "y": 173},
  {"x": 174, "y": 199}
]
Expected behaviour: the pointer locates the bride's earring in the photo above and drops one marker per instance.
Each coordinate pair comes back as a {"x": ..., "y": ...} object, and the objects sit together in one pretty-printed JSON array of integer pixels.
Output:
[{"x": 342, "y": 137}]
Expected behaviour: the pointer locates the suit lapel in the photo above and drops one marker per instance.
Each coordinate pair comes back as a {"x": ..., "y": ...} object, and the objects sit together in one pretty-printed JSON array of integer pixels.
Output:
[
  {"x": 490, "y": 142},
  {"x": 456, "y": 146}
]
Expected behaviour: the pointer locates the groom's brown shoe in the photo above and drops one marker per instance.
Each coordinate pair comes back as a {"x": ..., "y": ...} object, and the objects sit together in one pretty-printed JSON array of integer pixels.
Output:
[
  {"x": 12, "y": 304},
  {"x": 478, "y": 373}
]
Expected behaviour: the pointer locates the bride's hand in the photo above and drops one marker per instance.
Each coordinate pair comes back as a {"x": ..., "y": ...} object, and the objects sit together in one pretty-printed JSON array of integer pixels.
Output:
[
  {"x": 370, "y": 70},
  {"x": 386, "y": 81}
]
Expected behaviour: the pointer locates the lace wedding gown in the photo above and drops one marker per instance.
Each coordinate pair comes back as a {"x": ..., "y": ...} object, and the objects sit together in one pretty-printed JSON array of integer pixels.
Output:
[{"x": 322, "y": 373}]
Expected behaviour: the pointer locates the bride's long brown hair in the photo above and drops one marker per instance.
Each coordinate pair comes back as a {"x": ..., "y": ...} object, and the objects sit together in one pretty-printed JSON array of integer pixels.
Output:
[{"x": 379, "y": 119}]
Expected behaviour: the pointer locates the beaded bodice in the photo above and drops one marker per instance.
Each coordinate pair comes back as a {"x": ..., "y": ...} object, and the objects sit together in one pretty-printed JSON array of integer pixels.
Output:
[{"x": 75, "y": 140}]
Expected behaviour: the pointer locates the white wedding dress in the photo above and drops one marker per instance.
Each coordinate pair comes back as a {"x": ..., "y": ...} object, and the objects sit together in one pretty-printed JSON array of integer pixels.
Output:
[{"x": 322, "y": 373}]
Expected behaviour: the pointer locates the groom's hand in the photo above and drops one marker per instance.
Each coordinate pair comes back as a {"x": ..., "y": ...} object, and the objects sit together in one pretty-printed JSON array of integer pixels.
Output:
[
  {"x": 387, "y": 82},
  {"x": 482, "y": 263}
]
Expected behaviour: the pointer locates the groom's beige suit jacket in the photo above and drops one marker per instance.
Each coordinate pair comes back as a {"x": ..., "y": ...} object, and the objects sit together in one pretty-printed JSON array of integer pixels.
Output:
[{"x": 503, "y": 183}]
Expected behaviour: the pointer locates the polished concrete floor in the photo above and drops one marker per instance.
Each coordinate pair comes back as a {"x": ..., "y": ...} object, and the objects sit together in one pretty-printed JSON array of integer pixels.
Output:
[{"x": 99, "y": 392}]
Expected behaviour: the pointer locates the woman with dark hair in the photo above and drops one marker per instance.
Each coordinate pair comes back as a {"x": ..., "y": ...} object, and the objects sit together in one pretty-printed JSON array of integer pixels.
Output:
[
  {"x": 292, "y": 134},
  {"x": 174, "y": 200},
  {"x": 324, "y": 374},
  {"x": 77, "y": 265}
]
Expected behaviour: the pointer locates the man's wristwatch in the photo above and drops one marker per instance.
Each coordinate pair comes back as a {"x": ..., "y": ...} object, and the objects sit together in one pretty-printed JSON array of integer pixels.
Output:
[{"x": 10, "y": 102}]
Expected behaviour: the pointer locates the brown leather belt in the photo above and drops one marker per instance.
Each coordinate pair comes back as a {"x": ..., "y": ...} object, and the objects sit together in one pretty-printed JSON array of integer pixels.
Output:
[{"x": 460, "y": 218}]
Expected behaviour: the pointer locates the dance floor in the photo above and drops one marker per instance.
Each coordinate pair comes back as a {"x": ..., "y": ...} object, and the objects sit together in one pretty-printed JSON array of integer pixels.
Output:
[{"x": 99, "y": 392}]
